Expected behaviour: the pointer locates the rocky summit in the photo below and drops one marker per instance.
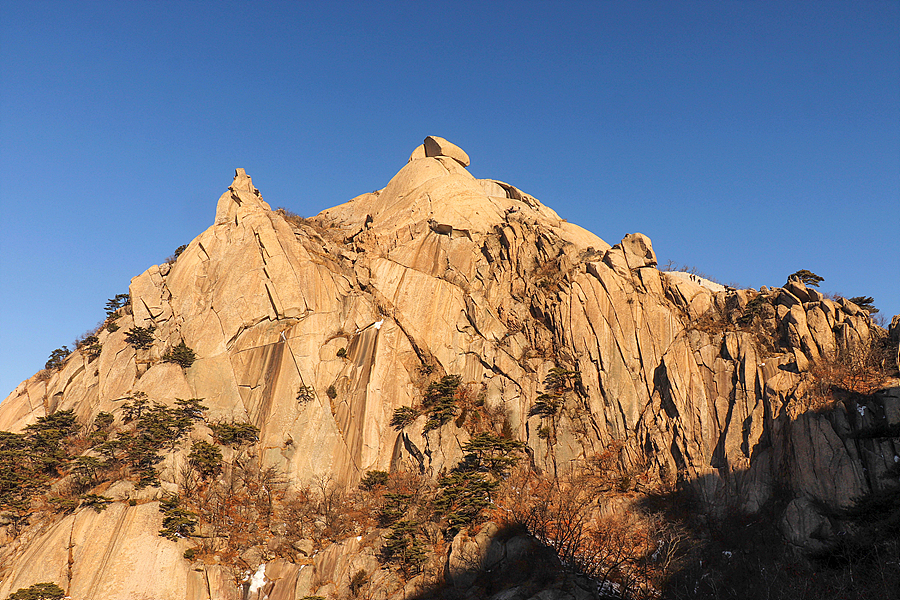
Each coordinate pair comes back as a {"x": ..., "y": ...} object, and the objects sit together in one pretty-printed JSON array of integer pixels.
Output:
[{"x": 442, "y": 389}]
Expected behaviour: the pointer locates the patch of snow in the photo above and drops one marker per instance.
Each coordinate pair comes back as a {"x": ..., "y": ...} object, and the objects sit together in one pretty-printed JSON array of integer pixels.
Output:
[
  {"x": 259, "y": 578},
  {"x": 378, "y": 324},
  {"x": 896, "y": 458},
  {"x": 359, "y": 538},
  {"x": 862, "y": 409},
  {"x": 727, "y": 554},
  {"x": 696, "y": 279}
]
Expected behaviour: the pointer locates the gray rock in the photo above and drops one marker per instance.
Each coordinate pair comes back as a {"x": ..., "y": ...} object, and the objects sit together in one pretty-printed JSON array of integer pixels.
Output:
[{"x": 804, "y": 526}]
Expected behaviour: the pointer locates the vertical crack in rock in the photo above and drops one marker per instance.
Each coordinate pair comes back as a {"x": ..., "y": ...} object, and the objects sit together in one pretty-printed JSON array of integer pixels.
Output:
[
  {"x": 99, "y": 570},
  {"x": 262, "y": 249},
  {"x": 272, "y": 301},
  {"x": 271, "y": 371},
  {"x": 70, "y": 563},
  {"x": 351, "y": 413}
]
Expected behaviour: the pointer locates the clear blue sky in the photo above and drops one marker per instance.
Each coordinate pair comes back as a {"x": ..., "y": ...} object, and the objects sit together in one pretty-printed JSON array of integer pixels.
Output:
[{"x": 748, "y": 139}]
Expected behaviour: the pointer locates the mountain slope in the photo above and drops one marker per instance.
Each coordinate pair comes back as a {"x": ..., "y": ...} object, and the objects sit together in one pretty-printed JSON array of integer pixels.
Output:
[{"x": 316, "y": 331}]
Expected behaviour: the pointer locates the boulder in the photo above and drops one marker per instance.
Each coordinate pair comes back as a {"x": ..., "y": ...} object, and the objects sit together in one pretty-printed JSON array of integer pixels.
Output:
[
  {"x": 438, "y": 146},
  {"x": 799, "y": 290},
  {"x": 419, "y": 152},
  {"x": 803, "y": 526}
]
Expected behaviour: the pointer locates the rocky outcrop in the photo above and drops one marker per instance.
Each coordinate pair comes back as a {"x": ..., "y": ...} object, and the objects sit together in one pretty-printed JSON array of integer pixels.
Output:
[{"x": 442, "y": 273}]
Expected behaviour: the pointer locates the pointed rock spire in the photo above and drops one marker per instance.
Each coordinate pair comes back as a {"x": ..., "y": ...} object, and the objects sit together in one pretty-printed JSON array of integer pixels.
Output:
[{"x": 242, "y": 196}]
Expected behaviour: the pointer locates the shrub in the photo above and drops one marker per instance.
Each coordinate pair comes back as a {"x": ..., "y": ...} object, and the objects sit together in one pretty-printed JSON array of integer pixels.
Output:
[
  {"x": 373, "y": 479},
  {"x": 63, "y": 505},
  {"x": 98, "y": 503},
  {"x": 402, "y": 546},
  {"x": 546, "y": 405},
  {"x": 103, "y": 420},
  {"x": 170, "y": 260},
  {"x": 178, "y": 522},
  {"x": 181, "y": 355},
  {"x": 753, "y": 309},
  {"x": 156, "y": 426},
  {"x": 140, "y": 338},
  {"x": 440, "y": 399},
  {"x": 291, "y": 217},
  {"x": 357, "y": 581},
  {"x": 306, "y": 394},
  {"x": 39, "y": 591},
  {"x": 112, "y": 327},
  {"x": 331, "y": 392},
  {"x": 234, "y": 434},
  {"x": 89, "y": 346},
  {"x": 806, "y": 278},
  {"x": 57, "y": 358},
  {"x": 206, "y": 458},
  {"x": 859, "y": 370},
  {"x": 865, "y": 303},
  {"x": 190, "y": 553},
  {"x": 114, "y": 304},
  {"x": 403, "y": 416},
  {"x": 342, "y": 353}
]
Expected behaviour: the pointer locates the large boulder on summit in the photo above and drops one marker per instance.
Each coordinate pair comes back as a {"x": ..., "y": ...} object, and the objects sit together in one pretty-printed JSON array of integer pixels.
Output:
[{"x": 438, "y": 146}]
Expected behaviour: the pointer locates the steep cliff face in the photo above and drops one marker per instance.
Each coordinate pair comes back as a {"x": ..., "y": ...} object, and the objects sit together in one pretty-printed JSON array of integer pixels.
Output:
[{"x": 317, "y": 330}]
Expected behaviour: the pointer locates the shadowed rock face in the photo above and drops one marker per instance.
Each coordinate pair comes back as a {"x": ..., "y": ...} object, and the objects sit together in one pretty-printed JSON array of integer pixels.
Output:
[{"x": 471, "y": 277}]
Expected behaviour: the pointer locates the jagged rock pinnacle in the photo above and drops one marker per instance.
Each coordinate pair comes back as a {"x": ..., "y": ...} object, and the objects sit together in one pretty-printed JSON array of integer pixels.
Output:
[{"x": 241, "y": 197}]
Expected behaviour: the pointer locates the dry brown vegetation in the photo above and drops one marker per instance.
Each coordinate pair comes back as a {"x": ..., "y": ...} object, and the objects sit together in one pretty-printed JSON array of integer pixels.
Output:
[
  {"x": 861, "y": 369},
  {"x": 595, "y": 525}
]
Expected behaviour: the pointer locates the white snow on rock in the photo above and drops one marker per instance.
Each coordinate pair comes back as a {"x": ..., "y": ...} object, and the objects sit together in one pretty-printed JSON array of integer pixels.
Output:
[{"x": 259, "y": 578}]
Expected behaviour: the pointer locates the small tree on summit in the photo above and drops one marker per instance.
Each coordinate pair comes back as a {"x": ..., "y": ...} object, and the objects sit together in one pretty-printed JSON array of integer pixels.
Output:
[
  {"x": 57, "y": 358},
  {"x": 806, "y": 278},
  {"x": 865, "y": 302},
  {"x": 115, "y": 303}
]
